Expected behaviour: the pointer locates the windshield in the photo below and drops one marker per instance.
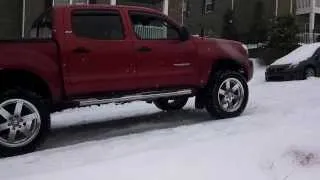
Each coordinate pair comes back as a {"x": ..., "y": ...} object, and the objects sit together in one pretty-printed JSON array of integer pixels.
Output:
[{"x": 300, "y": 54}]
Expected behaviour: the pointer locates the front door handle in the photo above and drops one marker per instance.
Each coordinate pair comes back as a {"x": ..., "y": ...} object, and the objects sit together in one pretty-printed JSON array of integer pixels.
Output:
[
  {"x": 144, "y": 49},
  {"x": 81, "y": 50}
]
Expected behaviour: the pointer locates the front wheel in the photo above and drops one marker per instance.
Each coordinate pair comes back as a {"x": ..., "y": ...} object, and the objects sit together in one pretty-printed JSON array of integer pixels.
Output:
[
  {"x": 176, "y": 103},
  {"x": 24, "y": 122},
  {"x": 227, "y": 95}
]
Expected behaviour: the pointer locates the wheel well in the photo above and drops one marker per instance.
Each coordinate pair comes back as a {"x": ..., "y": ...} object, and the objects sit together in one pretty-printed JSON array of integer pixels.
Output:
[
  {"x": 310, "y": 66},
  {"x": 228, "y": 64},
  {"x": 25, "y": 80},
  {"x": 224, "y": 65}
]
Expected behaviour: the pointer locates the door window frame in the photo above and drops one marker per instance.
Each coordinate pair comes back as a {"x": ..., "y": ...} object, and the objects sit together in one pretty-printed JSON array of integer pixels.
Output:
[{"x": 160, "y": 16}]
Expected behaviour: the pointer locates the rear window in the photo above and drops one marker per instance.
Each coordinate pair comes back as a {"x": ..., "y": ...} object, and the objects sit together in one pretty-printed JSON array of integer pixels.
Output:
[
  {"x": 42, "y": 27},
  {"x": 103, "y": 25}
]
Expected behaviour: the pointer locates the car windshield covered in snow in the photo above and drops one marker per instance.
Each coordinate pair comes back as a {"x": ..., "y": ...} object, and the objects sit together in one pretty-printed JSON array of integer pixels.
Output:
[{"x": 300, "y": 54}]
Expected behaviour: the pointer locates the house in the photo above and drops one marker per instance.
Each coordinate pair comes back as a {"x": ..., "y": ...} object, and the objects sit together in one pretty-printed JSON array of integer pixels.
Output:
[{"x": 206, "y": 16}]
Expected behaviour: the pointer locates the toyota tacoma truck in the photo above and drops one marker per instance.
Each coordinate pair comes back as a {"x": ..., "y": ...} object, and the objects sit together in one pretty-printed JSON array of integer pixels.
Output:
[{"x": 82, "y": 55}]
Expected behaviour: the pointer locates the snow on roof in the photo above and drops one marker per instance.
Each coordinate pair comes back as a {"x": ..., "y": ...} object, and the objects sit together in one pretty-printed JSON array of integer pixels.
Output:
[{"x": 300, "y": 54}]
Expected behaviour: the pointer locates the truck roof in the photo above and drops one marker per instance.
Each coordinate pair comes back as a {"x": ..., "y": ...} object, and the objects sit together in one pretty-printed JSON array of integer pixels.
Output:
[{"x": 103, "y": 6}]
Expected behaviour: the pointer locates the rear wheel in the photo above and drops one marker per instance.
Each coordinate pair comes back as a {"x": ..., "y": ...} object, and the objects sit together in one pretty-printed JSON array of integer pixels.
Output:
[
  {"x": 171, "y": 103},
  {"x": 309, "y": 72},
  {"x": 24, "y": 122},
  {"x": 227, "y": 95}
]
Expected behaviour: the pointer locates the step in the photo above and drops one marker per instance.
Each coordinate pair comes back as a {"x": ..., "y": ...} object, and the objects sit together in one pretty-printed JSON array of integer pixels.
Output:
[{"x": 135, "y": 97}]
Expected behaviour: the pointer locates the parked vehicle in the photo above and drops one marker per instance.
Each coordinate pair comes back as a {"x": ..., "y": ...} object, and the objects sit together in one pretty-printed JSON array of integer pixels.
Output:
[
  {"x": 302, "y": 63},
  {"x": 96, "y": 54}
]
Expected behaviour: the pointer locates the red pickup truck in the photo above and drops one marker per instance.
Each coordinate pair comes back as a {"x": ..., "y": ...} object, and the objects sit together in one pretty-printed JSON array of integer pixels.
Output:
[{"x": 86, "y": 55}]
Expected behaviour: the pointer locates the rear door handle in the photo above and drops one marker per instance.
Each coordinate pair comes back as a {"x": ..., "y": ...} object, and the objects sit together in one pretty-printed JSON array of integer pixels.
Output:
[
  {"x": 144, "y": 49},
  {"x": 81, "y": 50}
]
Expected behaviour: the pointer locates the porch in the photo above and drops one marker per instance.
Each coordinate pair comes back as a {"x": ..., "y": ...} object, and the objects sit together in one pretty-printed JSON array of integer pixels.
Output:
[{"x": 307, "y": 12}]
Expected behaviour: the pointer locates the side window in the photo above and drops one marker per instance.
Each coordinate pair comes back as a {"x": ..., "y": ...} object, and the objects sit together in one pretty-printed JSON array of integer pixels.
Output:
[
  {"x": 42, "y": 27},
  {"x": 102, "y": 25},
  {"x": 150, "y": 27}
]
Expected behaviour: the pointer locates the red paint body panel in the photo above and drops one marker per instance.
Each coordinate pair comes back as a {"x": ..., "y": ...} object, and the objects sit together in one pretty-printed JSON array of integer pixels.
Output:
[
  {"x": 113, "y": 66},
  {"x": 37, "y": 57}
]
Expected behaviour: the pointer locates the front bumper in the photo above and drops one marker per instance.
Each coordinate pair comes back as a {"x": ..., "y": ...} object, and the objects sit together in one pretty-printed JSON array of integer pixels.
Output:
[{"x": 285, "y": 75}]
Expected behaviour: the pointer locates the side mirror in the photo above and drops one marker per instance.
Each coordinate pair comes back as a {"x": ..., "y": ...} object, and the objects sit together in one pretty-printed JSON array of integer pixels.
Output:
[{"x": 184, "y": 34}]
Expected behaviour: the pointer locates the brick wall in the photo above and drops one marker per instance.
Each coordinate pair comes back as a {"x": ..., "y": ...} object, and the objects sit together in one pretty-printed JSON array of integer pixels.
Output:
[
  {"x": 244, "y": 10},
  {"x": 175, "y": 10},
  {"x": 211, "y": 22}
]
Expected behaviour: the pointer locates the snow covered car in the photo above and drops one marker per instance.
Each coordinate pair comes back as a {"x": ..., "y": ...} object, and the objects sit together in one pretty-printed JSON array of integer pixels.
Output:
[{"x": 302, "y": 63}]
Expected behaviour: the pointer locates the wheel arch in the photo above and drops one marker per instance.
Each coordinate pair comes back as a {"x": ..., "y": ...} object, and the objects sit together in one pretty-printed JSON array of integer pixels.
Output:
[
  {"x": 10, "y": 78},
  {"x": 229, "y": 64},
  {"x": 312, "y": 67},
  {"x": 220, "y": 65}
]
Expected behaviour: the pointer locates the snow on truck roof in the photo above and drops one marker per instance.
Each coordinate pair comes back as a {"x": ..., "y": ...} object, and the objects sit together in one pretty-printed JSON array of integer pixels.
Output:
[{"x": 300, "y": 54}]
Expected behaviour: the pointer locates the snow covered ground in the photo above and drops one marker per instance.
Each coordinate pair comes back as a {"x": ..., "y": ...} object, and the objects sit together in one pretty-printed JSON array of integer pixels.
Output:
[{"x": 277, "y": 138}]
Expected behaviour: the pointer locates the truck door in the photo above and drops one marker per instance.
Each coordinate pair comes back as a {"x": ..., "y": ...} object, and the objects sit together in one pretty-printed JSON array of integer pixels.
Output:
[
  {"x": 164, "y": 60},
  {"x": 98, "y": 56}
]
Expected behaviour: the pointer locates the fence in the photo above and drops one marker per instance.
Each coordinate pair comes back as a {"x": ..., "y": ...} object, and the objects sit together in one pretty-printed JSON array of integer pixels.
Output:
[
  {"x": 308, "y": 37},
  {"x": 151, "y": 32}
]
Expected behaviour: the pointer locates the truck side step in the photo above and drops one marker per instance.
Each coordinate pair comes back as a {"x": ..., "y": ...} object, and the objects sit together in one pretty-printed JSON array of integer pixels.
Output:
[{"x": 135, "y": 97}]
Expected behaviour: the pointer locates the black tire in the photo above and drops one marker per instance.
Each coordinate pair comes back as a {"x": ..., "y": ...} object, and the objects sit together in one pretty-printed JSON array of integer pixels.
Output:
[
  {"x": 42, "y": 116},
  {"x": 213, "y": 103},
  {"x": 176, "y": 104},
  {"x": 309, "y": 72}
]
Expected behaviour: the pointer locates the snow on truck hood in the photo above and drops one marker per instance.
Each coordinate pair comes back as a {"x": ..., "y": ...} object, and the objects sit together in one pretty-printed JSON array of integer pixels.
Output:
[{"x": 300, "y": 54}]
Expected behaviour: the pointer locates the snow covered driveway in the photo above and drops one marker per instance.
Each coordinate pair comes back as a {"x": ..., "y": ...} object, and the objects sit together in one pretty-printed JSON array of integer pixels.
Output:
[{"x": 277, "y": 138}]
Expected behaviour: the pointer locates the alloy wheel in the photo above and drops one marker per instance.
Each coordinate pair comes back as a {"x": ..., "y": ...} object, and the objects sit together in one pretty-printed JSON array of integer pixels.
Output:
[
  {"x": 231, "y": 95},
  {"x": 20, "y": 123}
]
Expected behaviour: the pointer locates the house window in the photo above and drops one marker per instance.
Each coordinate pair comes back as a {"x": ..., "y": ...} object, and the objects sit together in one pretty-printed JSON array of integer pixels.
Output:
[{"x": 209, "y": 6}]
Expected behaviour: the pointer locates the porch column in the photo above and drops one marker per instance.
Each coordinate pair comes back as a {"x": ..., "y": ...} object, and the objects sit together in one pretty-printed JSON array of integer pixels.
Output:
[
  {"x": 276, "y": 8},
  {"x": 165, "y": 7},
  {"x": 23, "y": 28},
  {"x": 312, "y": 20},
  {"x": 232, "y": 5},
  {"x": 113, "y": 2}
]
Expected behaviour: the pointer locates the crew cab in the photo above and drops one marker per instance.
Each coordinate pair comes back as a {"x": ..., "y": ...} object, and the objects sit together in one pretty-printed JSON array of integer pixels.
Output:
[{"x": 82, "y": 55}]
